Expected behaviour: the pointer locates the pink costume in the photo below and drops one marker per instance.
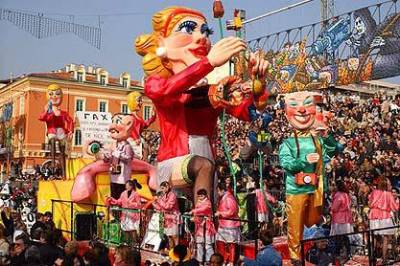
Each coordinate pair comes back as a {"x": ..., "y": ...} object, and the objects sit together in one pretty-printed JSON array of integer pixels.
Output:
[
  {"x": 341, "y": 208},
  {"x": 381, "y": 203},
  {"x": 202, "y": 209},
  {"x": 204, "y": 243},
  {"x": 261, "y": 204},
  {"x": 131, "y": 202},
  {"x": 168, "y": 203},
  {"x": 228, "y": 208},
  {"x": 55, "y": 124}
]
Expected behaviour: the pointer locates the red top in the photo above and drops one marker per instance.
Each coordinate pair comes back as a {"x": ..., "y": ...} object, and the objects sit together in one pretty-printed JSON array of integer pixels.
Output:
[
  {"x": 381, "y": 204},
  {"x": 260, "y": 201},
  {"x": 168, "y": 203},
  {"x": 140, "y": 125},
  {"x": 341, "y": 208},
  {"x": 181, "y": 113},
  {"x": 132, "y": 202},
  {"x": 229, "y": 209},
  {"x": 53, "y": 122},
  {"x": 203, "y": 209}
]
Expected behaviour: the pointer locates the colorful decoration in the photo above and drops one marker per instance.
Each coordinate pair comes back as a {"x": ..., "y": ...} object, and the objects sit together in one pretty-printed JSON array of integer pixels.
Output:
[
  {"x": 358, "y": 46},
  {"x": 119, "y": 162},
  {"x": 59, "y": 124},
  {"x": 303, "y": 156},
  {"x": 176, "y": 58}
]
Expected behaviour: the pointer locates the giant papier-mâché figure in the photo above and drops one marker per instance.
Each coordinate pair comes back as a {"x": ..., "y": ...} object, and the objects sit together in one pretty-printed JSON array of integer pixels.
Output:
[
  {"x": 303, "y": 156},
  {"x": 117, "y": 160},
  {"x": 177, "y": 56},
  {"x": 138, "y": 144},
  {"x": 60, "y": 125}
]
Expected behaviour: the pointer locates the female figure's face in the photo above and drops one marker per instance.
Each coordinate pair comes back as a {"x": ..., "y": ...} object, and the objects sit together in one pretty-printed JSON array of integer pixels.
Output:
[{"x": 188, "y": 41}]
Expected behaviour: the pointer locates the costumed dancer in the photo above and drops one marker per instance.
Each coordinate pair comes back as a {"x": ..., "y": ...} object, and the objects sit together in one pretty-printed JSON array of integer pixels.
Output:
[
  {"x": 342, "y": 218},
  {"x": 140, "y": 148},
  {"x": 262, "y": 196},
  {"x": 228, "y": 234},
  {"x": 167, "y": 204},
  {"x": 382, "y": 204},
  {"x": 303, "y": 157},
  {"x": 60, "y": 125},
  {"x": 177, "y": 56},
  {"x": 130, "y": 219},
  {"x": 205, "y": 230}
]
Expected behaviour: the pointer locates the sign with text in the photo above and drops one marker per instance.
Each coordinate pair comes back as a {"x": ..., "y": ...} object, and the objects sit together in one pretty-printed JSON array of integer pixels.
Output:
[{"x": 94, "y": 127}]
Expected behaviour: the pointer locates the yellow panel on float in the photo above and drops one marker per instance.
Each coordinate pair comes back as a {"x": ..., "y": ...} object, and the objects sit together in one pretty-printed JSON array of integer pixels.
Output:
[{"x": 61, "y": 190}]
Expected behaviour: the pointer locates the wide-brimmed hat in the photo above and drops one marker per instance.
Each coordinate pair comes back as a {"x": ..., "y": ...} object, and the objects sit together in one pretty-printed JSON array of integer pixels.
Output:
[{"x": 179, "y": 250}]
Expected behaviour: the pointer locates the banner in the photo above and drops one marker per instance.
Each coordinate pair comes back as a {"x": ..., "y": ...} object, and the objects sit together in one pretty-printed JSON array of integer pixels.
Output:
[
  {"x": 357, "y": 46},
  {"x": 94, "y": 127}
]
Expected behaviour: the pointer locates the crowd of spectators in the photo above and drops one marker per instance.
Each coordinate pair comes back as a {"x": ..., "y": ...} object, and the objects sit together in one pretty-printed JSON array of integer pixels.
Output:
[{"x": 367, "y": 127}]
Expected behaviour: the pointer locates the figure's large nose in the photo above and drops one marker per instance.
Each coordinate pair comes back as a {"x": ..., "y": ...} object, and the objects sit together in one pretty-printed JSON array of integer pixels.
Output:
[{"x": 302, "y": 109}]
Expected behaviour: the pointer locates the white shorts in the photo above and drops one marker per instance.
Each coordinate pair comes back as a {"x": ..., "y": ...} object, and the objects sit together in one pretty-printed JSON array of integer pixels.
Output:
[
  {"x": 228, "y": 234},
  {"x": 382, "y": 223},
  {"x": 60, "y": 134},
  {"x": 175, "y": 169},
  {"x": 172, "y": 231},
  {"x": 339, "y": 229},
  {"x": 262, "y": 217},
  {"x": 128, "y": 224}
]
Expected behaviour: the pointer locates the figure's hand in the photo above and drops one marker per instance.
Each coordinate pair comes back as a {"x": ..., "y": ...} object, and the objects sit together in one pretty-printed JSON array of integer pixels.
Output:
[
  {"x": 224, "y": 49},
  {"x": 105, "y": 155},
  {"x": 312, "y": 157},
  {"x": 258, "y": 65}
]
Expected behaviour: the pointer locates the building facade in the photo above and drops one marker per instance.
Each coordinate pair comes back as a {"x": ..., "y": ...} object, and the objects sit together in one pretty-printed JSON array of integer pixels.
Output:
[{"x": 23, "y": 141}]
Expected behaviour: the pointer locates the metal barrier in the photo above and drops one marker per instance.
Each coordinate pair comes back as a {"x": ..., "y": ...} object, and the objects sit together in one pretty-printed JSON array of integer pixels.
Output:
[
  {"x": 359, "y": 247},
  {"x": 109, "y": 231}
]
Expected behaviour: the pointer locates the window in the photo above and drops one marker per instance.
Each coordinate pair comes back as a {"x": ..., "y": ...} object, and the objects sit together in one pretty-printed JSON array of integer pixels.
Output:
[
  {"x": 79, "y": 76},
  {"x": 124, "y": 108},
  {"x": 78, "y": 137},
  {"x": 103, "y": 106},
  {"x": 146, "y": 112},
  {"x": 125, "y": 83},
  {"x": 22, "y": 105},
  {"x": 103, "y": 80},
  {"x": 79, "y": 105}
]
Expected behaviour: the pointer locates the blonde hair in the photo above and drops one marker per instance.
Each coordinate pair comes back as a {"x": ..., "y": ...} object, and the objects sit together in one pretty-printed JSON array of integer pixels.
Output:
[
  {"x": 163, "y": 23},
  {"x": 52, "y": 87},
  {"x": 132, "y": 100}
]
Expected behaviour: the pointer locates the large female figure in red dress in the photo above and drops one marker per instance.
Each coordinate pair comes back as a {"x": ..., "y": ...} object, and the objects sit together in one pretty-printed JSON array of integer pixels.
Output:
[{"x": 177, "y": 56}]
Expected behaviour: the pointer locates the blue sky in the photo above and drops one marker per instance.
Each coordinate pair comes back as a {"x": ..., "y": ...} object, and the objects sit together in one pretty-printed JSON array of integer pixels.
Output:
[{"x": 22, "y": 53}]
